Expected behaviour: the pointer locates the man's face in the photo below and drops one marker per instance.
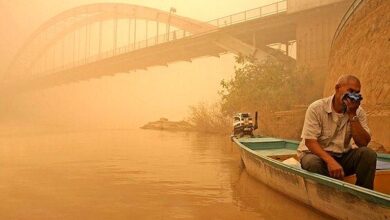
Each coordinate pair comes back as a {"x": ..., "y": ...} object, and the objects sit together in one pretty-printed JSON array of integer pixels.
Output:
[{"x": 350, "y": 86}]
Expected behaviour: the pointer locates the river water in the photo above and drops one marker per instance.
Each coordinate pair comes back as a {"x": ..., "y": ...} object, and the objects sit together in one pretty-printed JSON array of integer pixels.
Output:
[{"x": 133, "y": 174}]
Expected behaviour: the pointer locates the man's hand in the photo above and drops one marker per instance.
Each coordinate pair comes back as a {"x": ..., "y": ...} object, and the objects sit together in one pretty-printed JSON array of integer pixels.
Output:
[
  {"x": 335, "y": 170},
  {"x": 352, "y": 106}
]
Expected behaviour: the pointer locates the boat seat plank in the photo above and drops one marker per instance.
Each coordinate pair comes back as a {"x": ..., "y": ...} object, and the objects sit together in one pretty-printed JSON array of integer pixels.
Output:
[
  {"x": 275, "y": 152},
  {"x": 382, "y": 165}
]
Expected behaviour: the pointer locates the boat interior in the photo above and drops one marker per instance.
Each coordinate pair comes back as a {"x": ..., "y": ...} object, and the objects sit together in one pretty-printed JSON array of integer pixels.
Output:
[{"x": 284, "y": 151}]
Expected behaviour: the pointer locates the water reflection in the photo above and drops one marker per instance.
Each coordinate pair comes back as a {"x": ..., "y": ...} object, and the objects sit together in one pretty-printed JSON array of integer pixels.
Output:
[{"x": 133, "y": 174}]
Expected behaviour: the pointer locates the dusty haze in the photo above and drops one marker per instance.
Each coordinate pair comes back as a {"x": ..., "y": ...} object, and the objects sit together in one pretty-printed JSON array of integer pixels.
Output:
[{"x": 124, "y": 100}]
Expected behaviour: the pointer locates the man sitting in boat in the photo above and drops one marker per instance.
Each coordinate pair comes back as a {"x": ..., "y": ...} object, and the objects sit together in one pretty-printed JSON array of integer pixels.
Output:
[{"x": 330, "y": 125}]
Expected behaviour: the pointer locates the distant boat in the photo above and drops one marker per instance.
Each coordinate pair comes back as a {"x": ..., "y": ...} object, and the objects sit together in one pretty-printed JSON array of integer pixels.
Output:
[{"x": 273, "y": 162}]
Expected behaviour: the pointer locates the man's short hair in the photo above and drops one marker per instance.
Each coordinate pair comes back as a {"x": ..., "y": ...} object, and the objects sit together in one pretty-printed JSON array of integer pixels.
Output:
[{"x": 344, "y": 79}]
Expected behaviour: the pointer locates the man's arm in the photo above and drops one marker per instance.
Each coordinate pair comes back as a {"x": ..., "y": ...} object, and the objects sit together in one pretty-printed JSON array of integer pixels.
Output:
[
  {"x": 334, "y": 168},
  {"x": 359, "y": 134}
]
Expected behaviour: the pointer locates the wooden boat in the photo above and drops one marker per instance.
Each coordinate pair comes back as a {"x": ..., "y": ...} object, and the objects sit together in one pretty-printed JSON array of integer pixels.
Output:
[{"x": 263, "y": 159}]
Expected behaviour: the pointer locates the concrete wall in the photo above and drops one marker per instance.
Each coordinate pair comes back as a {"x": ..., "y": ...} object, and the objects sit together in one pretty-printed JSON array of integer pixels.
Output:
[{"x": 314, "y": 33}]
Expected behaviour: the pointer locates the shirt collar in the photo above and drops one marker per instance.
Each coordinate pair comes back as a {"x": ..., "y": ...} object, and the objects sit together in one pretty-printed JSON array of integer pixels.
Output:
[{"x": 328, "y": 105}]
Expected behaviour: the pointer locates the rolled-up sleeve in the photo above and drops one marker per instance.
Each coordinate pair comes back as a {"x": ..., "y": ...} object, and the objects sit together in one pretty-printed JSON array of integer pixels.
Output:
[{"x": 311, "y": 127}]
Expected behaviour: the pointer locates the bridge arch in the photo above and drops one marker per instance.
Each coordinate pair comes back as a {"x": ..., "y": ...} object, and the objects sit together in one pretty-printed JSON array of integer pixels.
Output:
[{"x": 52, "y": 31}]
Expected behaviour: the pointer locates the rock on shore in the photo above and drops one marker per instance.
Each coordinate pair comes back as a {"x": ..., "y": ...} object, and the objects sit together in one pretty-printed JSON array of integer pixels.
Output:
[{"x": 165, "y": 124}]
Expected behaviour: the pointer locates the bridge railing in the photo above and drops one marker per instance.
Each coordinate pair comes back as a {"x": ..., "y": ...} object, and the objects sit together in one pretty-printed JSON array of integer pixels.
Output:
[
  {"x": 243, "y": 16},
  {"x": 263, "y": 11}
]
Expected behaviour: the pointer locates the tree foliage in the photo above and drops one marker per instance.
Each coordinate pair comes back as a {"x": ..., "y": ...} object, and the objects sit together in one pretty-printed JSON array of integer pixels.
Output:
[{"x": 265, "y": 86}]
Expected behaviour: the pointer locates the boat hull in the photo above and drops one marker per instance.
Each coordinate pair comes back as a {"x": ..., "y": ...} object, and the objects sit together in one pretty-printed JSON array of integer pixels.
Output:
[{"x": 332, "y": 199}]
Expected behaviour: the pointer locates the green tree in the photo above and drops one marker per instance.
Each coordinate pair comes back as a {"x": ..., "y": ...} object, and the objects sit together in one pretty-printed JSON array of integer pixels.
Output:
[{"x": 265, "y": 86}]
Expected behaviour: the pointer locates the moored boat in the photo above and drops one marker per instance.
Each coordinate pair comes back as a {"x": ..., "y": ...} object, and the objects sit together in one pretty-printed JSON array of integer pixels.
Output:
[{"x": 271, "y": 161}]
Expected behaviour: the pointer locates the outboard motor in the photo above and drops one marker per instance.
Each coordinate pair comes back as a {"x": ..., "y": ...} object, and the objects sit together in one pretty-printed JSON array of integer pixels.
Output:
[{"x": 243, "y": 125}]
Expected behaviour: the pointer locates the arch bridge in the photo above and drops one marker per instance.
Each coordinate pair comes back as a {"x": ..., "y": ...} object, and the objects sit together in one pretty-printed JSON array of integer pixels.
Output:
[{"x": 103, "y": 39}]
